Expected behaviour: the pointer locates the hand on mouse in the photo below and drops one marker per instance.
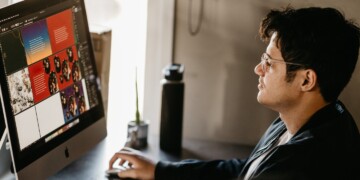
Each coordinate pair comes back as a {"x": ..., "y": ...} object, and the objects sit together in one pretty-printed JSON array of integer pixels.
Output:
[{"x": 140, "y": 167}]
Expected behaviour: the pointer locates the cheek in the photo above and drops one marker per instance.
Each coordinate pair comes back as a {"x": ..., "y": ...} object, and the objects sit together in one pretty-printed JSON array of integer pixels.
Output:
[
  {"x": 275, "y": 85},
  {"x": 275, "y": 77},
  {"x": 270, "y": 81}
]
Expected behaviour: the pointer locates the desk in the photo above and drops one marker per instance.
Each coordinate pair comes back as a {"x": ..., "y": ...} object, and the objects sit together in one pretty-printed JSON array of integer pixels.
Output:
[{"x": 93, "y": 164}]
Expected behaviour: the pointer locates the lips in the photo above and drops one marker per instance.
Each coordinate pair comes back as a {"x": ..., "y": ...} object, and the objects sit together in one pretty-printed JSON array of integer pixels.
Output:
[{"x": 260, "y": 85}]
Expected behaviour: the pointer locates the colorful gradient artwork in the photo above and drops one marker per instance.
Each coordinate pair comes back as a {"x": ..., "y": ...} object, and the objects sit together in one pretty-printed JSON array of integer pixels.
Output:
[
  {"x": 61, "y": 30},
  {"x": 36, "y": 41}
]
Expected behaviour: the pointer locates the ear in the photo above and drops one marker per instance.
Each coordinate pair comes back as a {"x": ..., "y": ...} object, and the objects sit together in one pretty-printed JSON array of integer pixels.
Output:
[{"x": 309, "y": 80}]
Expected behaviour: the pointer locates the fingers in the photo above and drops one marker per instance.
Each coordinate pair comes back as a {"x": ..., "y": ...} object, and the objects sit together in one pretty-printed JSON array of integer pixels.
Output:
[
  {"x": 130, "y": 165},
  {"x": 123, "y": 156},
  {"x": 138, "y": 173},
  {"x": 135, "y": 164},
  {"x": 112, "y": 161},
  {"x": 122, "y": 161},
  {"x": 129, "y": 173}
]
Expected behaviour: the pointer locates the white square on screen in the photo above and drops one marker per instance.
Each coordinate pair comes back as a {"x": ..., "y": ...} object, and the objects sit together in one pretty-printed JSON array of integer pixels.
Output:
[
  {"x": 27, "y": 127},
  {"x": 50, "y": 115}
]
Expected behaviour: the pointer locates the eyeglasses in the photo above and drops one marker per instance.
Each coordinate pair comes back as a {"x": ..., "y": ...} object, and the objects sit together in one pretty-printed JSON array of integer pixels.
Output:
[{"x": 266, "y": 62}]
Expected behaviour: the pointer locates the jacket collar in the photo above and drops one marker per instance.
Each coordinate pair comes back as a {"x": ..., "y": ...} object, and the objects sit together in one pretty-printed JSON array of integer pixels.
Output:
[{"x": 323, "y": 116}]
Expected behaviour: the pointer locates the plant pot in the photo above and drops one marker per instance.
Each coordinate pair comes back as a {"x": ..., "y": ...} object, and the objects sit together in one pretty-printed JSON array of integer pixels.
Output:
[{"x": 137, "y": 135}]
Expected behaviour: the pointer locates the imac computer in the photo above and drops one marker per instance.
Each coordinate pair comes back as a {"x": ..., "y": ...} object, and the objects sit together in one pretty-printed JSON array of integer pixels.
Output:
[
  {"x": 5, "y": 162},
  {"x": 2, "y": 131},
  {"x": 50, "y": 96}
]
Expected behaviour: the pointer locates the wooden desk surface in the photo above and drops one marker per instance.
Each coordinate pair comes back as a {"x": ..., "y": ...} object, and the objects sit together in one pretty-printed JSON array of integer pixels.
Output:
[{"x": 93, "y": 164}]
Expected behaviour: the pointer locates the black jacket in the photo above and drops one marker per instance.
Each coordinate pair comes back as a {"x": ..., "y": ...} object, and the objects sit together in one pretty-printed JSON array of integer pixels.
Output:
[{"x": 326, "y": 147}]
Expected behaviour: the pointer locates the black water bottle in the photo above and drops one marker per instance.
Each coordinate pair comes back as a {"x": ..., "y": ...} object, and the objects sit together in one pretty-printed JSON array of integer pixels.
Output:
[{"x": 172, "y": 108}]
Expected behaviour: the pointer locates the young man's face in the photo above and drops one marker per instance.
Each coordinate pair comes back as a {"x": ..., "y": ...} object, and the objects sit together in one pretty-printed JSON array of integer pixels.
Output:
[{"x": 274, "y": 91}]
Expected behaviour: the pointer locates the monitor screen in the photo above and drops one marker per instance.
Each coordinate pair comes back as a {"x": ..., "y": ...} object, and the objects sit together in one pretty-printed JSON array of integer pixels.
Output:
[{"x": 49, "y": 84}]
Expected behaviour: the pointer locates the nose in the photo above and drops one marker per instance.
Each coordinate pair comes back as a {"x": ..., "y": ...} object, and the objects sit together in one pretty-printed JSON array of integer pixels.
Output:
[{"x": 258, "y": 69}]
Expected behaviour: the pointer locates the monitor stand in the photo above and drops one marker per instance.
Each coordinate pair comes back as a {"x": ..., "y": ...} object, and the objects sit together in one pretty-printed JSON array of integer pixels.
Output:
[{"x": 5, "y": 158}]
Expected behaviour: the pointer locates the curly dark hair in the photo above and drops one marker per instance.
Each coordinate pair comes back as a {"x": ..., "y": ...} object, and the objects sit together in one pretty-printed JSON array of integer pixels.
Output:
[{"x": 319, "y": 38}]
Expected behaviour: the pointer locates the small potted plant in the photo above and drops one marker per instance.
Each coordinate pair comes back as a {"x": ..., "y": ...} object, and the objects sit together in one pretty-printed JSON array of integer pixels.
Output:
[{"x": 138, "y": 128}]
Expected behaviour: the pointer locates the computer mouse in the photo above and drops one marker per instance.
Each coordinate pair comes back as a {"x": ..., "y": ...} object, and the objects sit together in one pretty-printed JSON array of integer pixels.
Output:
[{"x": 113, "y": 173}]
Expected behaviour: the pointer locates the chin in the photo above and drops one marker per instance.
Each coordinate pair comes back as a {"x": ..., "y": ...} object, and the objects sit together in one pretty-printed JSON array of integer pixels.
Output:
[{"x": 261, "y": 99}]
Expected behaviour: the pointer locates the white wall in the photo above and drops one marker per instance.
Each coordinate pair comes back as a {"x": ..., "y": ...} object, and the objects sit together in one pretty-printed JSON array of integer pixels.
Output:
[
  {"x": 221, "y": 87},
  {"x": 4, "y": 3},
  {"x": 158, "y": 55},
  {"x": 128, "y": 21}
]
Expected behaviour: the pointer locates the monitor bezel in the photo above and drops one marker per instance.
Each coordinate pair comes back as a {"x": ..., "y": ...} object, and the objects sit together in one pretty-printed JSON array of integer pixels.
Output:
[
  {"x": 2, "y": 127},
  {"x": 96, "y": 115}
]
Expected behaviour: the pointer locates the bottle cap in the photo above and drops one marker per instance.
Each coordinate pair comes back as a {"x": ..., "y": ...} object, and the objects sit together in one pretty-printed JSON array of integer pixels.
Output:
[{"x": 174, "y": 72}]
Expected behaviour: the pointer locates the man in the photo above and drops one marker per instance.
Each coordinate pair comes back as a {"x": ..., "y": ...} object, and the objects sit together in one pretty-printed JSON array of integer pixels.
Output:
[{"x": 311, "y": 55}]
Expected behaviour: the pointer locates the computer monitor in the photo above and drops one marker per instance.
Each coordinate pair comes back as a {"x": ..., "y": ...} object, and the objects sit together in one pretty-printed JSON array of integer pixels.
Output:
[
  {"x": 5, "y": 162},
  {"x": 2, "y": 131},
  {"x": 50, "y": 92}
]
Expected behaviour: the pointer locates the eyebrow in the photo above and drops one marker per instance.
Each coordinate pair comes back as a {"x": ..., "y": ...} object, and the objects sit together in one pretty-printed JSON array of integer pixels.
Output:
[{"x": 274, "y": 58}]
